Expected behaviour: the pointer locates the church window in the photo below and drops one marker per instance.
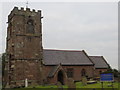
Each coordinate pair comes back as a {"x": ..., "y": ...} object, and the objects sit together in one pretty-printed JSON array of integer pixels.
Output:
[
  {"x": 70, "y": 72},
  {"x": 83, "y": 72},
  {"x": 30, "y": 26}
]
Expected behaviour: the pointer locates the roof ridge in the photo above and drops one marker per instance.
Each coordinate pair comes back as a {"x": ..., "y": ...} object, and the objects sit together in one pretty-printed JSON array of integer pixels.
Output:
[
  {"x": 105, "y": 61},
  {"x": 64, "y": 50},
  {"x": 95, "y": 56}
]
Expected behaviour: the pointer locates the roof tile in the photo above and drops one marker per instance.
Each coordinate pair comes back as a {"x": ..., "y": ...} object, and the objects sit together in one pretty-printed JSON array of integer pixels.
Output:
[{"x": 99, "y": 61}]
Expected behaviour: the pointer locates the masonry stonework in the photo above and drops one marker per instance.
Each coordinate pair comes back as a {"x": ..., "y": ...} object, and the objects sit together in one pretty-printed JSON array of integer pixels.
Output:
[{"x": 24, "y": 47}]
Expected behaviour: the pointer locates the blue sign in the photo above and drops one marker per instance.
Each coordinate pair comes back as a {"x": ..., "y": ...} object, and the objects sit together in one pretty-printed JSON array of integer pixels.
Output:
[{"x": 106, "y": 77}]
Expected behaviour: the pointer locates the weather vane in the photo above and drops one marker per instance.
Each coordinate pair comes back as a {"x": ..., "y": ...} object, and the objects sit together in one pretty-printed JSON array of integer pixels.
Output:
[{"x": 27, "y": 4}]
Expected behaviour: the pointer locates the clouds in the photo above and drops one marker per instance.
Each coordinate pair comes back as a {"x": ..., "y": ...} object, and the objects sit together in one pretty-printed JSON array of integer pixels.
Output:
[
  {"x": 76, "y": 23},
  {"x": 89, "y": 26}
]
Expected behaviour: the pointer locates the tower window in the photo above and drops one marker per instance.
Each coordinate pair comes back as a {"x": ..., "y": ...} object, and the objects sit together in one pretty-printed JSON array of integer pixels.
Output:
[{"x": 30, "y": 26}]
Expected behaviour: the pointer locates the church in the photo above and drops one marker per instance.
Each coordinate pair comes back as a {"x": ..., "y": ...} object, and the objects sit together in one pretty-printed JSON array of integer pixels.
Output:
[{"x": 27, "y": 59}]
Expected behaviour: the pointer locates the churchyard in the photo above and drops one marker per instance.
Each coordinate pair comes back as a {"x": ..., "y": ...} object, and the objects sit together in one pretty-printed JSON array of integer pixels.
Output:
[{"x": 79, "y": 86}]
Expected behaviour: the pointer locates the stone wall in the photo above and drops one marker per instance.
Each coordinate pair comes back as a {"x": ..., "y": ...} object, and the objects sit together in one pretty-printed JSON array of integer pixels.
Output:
[
  {"x": 77, "y": 71},
  {"x": 76, "y": 75},
  {"x": 24, "y": 47}
]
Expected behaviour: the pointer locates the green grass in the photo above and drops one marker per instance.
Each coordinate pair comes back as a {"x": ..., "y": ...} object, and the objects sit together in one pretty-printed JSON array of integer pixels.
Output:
[
  {"x": 79, "y": 86},
  {"x": 96, "y": 85},
  {"x": 49, "y": 86}
]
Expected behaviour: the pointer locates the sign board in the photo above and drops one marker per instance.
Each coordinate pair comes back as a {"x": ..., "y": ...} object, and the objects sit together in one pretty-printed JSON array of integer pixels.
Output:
[{"x": 106, "y": 77}]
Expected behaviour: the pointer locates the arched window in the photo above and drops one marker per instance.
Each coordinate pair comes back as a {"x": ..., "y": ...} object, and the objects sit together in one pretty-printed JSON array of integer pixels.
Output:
[
  {"x": 30, "y": 26},
  {"x": 83, "y": 72}
]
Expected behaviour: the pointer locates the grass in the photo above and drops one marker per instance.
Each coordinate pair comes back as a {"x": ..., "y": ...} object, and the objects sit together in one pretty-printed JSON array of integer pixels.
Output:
[
  {"x": 49, "y": 86},
  {"x": 96, "y": 85},
  {"x": 79, "y": 86}
]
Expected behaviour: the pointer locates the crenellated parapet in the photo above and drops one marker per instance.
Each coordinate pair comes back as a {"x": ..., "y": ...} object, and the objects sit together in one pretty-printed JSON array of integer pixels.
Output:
[{"x": 24, "y": 12}]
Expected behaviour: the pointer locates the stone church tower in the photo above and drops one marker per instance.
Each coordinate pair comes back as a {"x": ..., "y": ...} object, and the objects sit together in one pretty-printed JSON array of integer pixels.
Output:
[{"x": 24, "y": 47}]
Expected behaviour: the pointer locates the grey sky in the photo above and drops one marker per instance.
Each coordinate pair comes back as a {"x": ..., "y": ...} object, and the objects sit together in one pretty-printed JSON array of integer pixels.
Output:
[{"x": 92, "y": 27}]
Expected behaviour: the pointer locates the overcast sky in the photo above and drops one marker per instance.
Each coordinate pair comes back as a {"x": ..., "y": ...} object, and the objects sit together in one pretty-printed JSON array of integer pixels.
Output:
[{"x": 89, "y": 26}]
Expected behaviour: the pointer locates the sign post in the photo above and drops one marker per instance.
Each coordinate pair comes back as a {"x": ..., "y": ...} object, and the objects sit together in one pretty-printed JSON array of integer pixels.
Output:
[{"x": 106, "y": 77}]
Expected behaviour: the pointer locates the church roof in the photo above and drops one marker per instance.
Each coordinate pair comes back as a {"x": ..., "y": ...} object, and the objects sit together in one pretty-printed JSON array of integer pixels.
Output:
[
  {"x": 53, "y": 70},
  {"x": 99, "y": 61},
  {"x": 66, "y": 57}
]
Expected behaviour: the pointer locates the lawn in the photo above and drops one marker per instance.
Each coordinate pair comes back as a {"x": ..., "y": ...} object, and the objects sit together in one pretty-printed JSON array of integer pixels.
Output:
[
  {"x": 79, "y": 86},
  {"x": 96, "y": 85}
]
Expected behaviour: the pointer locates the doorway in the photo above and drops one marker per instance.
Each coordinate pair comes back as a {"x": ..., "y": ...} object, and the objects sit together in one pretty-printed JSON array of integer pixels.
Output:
[{"x": 60, "y": 77}]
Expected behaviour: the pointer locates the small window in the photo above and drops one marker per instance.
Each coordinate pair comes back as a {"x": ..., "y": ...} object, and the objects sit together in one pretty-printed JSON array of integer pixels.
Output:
[
  {"x": 70, "y": 72},
  {"x": 83, "y": 72},
  {"x": 30, "y": 26}
]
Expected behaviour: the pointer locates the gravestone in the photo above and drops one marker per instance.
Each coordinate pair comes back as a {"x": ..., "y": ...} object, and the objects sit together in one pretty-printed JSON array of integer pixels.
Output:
[
  {"x": 84, "y": 80},
  {"x": 71, "y": 84}
]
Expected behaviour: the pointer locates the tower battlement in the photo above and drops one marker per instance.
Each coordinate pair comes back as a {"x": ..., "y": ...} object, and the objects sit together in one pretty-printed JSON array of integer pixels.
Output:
[{"x": 23, "y": 11}]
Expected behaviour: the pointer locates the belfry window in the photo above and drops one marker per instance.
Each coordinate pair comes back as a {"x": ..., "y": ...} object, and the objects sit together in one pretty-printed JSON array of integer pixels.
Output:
[{"x": 30, "y": 26}]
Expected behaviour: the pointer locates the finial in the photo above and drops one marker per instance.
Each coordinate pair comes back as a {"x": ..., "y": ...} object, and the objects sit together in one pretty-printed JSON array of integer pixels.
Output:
[{"x": 27, "y": 4}]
